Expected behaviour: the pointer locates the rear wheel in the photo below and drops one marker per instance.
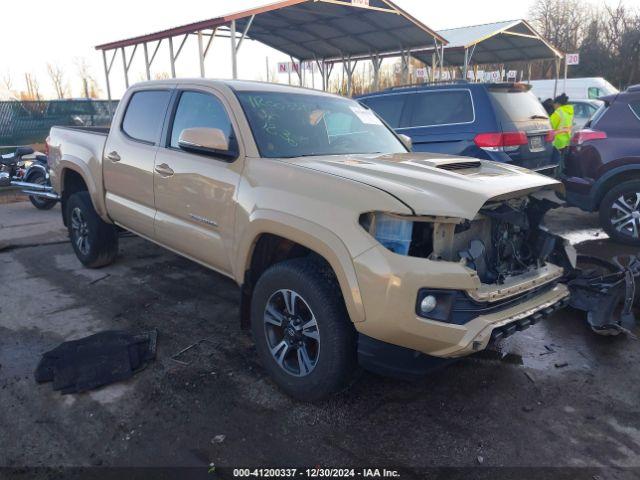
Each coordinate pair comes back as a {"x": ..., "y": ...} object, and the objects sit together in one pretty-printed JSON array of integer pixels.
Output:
[
  {"x": 303, "y": 334},
  {"x": 94, "y": 241},
  {"x": 620, "y": 213},
  {"x": 41, "y": 203}
]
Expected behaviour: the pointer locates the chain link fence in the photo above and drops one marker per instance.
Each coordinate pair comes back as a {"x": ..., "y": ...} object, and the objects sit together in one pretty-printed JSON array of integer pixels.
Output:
[{"x": 29, "y": 122}]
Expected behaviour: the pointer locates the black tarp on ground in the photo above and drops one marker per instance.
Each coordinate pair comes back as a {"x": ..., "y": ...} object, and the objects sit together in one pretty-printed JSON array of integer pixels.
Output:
[{"x": 97, "y": 360}]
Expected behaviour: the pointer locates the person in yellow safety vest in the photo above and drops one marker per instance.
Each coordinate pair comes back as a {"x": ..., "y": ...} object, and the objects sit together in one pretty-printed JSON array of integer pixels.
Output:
[{"x": 562, "y": 122}]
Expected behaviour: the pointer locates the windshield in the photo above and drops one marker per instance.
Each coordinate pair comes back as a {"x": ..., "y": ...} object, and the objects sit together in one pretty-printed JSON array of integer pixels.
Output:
[{"x": 298, "y": 125}]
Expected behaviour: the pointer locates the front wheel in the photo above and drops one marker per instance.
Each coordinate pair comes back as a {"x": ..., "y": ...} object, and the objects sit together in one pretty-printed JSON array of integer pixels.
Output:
[
  {"x": 302, "y": 331},
  {"x": 41, "y": 203},
  {"x": 94, "y": 241},
  {"x": 620, "y": 213}
]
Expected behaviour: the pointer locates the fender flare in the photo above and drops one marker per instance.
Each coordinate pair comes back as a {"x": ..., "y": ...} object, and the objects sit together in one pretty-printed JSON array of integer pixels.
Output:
[
  {"x": 598, "y": 188},
  {"x": 79, "y": 167},
  {"x": 310, "y": 235}
]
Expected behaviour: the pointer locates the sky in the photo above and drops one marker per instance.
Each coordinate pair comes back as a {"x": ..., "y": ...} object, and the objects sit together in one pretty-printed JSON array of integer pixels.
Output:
[{"x": 63, "y": 33}]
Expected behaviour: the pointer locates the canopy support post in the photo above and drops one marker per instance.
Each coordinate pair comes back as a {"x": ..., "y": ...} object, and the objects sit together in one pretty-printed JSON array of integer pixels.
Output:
[
  {"x": 235, "y": 47},
  {"x": 466, "y": 64},
  {"x": 555, "y": 84},
  {"x": 234, "y": 51},
  {"x": 201, "y": 53},
  {"x": 172, "y": 58},
  {"x": 124, "y": 67},
  {"x": 376, "y": 61},
  {"x": 147, "y": 67},
  {"x": 405, "y": 58},
  {"x": 349, "y": 68},
  {"x": 107, "y": 71}
]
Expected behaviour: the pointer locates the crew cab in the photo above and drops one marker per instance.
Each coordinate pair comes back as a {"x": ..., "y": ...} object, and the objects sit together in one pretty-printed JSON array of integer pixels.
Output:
[{"x": 348, "y": 248}]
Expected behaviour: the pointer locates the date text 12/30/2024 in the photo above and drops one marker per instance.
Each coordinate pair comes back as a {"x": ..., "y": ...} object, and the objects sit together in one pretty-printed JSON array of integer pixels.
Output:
[{"x": 315, "y": 473}]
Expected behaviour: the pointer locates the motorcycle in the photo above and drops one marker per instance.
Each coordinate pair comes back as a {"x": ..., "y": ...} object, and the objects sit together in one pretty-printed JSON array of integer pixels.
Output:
[{"x": 27, "y": 169}]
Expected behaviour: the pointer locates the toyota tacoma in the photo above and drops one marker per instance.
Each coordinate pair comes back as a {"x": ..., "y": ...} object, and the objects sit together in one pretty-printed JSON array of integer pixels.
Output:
[{"x": 348, "y": 248}]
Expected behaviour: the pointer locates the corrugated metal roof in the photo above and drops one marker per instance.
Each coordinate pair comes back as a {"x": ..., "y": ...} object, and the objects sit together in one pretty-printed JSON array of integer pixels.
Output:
[
  {"x": 464, "y": 36},
  {"x": 324, "y": 29},
  {"x": 492, "y": 43}
]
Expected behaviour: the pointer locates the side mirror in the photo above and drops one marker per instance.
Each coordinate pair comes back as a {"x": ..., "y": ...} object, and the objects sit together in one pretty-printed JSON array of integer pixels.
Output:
[
  {"x": 206, "y": 141},
  {"x": 406, "y": 141}
]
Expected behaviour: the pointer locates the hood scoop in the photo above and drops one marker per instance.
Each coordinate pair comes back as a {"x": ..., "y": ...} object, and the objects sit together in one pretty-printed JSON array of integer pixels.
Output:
[{"x": 460, "y": 165}]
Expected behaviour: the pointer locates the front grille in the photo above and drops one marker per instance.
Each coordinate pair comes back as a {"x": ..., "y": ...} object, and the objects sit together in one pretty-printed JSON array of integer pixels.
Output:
[
  {"x": 457, "y": 308},
  {"x": 509, "y": 329},
  {"x": 460, "y": 165}
]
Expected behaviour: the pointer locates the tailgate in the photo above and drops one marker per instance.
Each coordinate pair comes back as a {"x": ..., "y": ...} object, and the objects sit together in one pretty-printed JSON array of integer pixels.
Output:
[{"x": 518, "y": 110}]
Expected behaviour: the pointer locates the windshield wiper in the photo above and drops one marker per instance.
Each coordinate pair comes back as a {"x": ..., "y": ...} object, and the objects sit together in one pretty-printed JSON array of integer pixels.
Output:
[{"x": 541, "y": 117}]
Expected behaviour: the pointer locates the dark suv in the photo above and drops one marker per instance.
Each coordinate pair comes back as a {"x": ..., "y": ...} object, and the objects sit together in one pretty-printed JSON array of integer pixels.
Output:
[
  {"x": 602, "y": 168},
  {"x": 504, "y": 122}
]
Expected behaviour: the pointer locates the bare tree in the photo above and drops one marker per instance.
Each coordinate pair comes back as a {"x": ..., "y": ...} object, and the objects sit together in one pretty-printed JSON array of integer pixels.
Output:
[
  {"x": 56, "y": 74},
  {"x": 33, "y": 88},
  {"x": 89, "y": 85},
  {"x": 7, "y": 82},
  {"x": 563, "y": 22}
]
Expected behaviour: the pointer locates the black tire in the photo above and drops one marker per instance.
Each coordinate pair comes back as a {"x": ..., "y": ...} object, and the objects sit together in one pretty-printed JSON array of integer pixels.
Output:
[
  {"x": 101, "y": 245},
  {"x": 40, "y": 203},
  {"x": 612, "y": 213},
  {"x": 336, "y": 354}
]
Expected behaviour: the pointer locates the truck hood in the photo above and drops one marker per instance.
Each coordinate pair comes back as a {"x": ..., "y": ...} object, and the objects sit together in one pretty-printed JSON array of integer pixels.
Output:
[{"x": 433, "y": 184}]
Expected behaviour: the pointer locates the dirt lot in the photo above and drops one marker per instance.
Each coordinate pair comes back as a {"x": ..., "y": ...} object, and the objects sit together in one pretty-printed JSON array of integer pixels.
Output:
[{"x": 562, "y": 398}]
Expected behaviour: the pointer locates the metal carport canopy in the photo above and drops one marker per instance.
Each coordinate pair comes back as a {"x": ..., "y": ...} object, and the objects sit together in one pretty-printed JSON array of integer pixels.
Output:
[
  {"x": 492, "y": 43},
  {"x": 316, "y": 29}
]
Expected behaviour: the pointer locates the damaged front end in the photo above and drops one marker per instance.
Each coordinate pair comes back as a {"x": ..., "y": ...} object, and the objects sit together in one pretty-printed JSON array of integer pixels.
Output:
[{"x": 514, "y": 255}]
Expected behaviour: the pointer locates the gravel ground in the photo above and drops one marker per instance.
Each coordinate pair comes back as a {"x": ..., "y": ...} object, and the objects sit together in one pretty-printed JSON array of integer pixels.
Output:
[{"x": 562, "y": 398}]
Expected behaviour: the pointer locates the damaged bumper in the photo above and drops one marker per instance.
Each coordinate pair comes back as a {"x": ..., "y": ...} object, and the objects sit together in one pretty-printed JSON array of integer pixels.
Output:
[{"x": 391, "y": 287}]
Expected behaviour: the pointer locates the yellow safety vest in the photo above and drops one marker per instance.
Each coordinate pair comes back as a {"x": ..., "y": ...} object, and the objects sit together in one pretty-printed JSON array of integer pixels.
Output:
[{"x": 561, "y": 122}]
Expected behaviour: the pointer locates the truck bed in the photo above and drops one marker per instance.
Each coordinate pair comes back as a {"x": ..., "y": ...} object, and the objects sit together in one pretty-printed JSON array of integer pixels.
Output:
[
  {"x": 95, "y": 130},
  {"x": 82, "y": 147}
]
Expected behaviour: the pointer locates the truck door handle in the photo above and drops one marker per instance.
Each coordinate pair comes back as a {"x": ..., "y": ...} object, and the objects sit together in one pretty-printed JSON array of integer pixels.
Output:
[
  {"x": 113, "y": 156},
  {"x": 164, "y": 170}
]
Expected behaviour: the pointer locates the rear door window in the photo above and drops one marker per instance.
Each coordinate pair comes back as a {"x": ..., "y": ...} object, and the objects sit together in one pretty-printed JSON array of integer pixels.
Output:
[
  {"x": 442, "y": 107},
  {"x": 389, "y": 107},
  {"x": 145, "y": 115}
]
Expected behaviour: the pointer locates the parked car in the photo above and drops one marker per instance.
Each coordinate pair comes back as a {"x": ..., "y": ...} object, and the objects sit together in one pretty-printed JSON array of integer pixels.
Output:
[
  {"x": 602, "y": 170},
  {"x": 587, "y": 88},
  {"x": 501, "y": 122},
  {"x": 348, "y": 248},
  {"x": 583, "y": 111}
]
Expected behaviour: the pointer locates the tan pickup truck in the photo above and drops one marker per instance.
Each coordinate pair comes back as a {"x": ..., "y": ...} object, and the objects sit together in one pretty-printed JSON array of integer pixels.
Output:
[{"x": 348, "y": 248}]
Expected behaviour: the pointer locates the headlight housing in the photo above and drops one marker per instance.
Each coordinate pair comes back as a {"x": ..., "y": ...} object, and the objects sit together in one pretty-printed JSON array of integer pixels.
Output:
[
  {"x": 401, "y": 234},
  {"x": 392, "y": 231}
]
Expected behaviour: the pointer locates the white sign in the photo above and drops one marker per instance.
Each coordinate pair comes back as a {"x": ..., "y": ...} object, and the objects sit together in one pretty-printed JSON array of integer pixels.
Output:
[
  {"x": 421, "y": 72},
  {"x": 360, "y": 3},
  {"x": 572, "y": 59},
  {"x": 287, "y": 67},
  {"x": 495, "y": 76},
  {"x": 512, "y": 74}
]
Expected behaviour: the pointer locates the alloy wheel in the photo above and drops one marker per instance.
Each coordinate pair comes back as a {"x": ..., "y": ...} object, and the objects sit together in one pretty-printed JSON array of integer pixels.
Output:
[
  {"x": 80, "y": 230},
  {"x": 292, "y": 333},
  {"x": 625, "y": 214}
]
